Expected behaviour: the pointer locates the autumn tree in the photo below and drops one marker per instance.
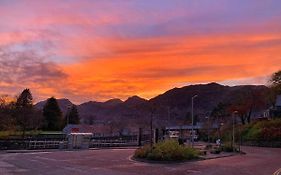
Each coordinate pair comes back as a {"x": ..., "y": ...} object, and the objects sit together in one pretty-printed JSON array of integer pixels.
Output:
[
  {"x": 247, "y": 101},
  {"x": 7, "y": 121},
  {"x": 52, "y": 115}
]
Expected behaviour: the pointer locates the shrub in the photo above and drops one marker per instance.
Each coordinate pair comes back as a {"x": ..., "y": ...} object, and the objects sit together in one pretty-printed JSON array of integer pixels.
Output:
[
  {"x": 142, "y": 152},
  {"x": 168, "y": 150},
  {"x": 227, "y": 147},
  {"x": 263, "y": 130}
]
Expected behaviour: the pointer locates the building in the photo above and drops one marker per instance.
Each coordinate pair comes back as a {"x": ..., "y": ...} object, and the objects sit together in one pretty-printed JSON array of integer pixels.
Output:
[{"x": 185, "y": 131}]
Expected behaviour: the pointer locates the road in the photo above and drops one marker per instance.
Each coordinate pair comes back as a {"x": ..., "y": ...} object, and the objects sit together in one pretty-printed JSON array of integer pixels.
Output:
[{"x": 257, "y": 161}]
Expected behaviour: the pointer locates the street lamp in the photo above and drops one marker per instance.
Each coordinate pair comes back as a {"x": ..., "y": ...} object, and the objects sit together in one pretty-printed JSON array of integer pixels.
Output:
[
  {"x": 233, "y": 134},
  {"x": 208, "y": 118},
  {"x": 192, "y": 118}
]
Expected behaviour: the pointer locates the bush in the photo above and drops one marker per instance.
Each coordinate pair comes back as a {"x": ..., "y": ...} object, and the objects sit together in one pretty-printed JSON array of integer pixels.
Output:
[
  {"x": 169, "y": 150},
  {"x": 227, "y": 147},
  {"x": 142, "y": 152},
  {"x": 263, "y": 130}
]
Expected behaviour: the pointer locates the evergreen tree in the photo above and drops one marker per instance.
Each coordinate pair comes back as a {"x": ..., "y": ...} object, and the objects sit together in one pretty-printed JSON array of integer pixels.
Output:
[
  {"x": 24, "y": 112},
  {"x": 25, "y": 99},
  {"x": 72, "y": 116},
  {"x": 52, "y": 115}
]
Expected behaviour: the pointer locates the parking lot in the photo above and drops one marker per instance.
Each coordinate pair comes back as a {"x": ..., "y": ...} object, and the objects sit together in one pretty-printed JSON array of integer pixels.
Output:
[{"x": 258, "y": 161}]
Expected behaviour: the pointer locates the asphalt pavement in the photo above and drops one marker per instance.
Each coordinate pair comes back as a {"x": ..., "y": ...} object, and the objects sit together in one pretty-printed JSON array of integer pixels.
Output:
[{"x": 257, "y": 161}]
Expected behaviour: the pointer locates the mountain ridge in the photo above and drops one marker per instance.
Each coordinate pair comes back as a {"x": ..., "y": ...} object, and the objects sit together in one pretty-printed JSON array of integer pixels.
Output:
[{"x": 178, "y": 100}]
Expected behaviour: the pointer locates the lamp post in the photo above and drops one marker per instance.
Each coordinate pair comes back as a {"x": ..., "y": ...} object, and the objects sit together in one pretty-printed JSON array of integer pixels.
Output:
[
  {"x": 208, "y": 118},
  {"x": 192, "y": 118},
  {"x": 151, "y": 124},
  {"x": 233, "y": 133}
]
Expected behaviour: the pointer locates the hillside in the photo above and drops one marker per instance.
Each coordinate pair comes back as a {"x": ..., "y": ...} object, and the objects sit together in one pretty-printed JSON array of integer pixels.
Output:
[{"x": 175, "y": 103}]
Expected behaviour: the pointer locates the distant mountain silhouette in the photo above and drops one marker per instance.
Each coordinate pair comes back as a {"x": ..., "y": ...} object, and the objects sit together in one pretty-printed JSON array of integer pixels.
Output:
[
  {"x": 176, "y": 102},
  {"x": 134, "y": 101}
]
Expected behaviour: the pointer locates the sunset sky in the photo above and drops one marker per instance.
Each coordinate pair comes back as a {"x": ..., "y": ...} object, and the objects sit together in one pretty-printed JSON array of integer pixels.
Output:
[{"x": 101, "y": 49}]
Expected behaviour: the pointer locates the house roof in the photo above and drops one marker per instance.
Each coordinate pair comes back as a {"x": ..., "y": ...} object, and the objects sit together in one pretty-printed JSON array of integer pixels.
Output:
[{"x": 278, "y": 101}]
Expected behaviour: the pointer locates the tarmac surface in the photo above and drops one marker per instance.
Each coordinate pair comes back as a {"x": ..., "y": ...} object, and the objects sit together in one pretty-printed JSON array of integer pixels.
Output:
[{"x": 257, "y": 161}]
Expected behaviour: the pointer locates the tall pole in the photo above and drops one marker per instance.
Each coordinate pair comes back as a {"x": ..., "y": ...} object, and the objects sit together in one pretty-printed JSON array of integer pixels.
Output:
[
  {"x": 151, "y": 130},
  {"x": 233, "y": 133},
  {"x": 233, "y": 139},
  {"x": 192, "y": 120},
  {"x": 208, "y": 118}
]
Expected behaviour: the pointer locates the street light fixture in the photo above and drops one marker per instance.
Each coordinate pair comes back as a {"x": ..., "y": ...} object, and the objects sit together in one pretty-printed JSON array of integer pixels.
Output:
[{"x": 192, "y": 117}]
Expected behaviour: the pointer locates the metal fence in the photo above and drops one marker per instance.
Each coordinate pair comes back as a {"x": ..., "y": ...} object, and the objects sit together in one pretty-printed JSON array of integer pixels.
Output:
[
  {"x": 118, "y": 141},
  {"x": 18, "y": 144}
]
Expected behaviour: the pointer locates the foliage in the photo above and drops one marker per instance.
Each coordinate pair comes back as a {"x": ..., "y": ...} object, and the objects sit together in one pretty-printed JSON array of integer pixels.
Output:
[
  {"x": 25, "y": 99},
  {"x": 227, "y": 147},
  {"x": 168, "y": 150},
  {"x": 219, "y": 112},
  {"x": 275, "y": 86},
  {"x": 52, "y": 115},
  {"x": 26, "y": 116},
  {"x": 7, "y": 120},
  {"x": 72, "y": 116},
  {"x": 142, "y": 152},
  {"x": 263, "y": 130},
  {"x": 275, "y": 81},
  {"x": 248, "y": 100}
]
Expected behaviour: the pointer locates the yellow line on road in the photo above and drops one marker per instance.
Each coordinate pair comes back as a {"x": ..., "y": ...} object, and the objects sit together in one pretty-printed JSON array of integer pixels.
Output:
[{"x": 277, "y": 172}]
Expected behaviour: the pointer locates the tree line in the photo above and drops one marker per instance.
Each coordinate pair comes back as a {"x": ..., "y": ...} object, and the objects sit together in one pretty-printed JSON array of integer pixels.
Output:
[
  {"x": 21, "y": 114},
  {"x": 247, "y": 101}
]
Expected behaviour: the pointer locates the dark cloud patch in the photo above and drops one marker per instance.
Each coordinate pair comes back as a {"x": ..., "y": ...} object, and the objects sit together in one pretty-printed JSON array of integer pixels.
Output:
[{"x": 27, "y": 67}]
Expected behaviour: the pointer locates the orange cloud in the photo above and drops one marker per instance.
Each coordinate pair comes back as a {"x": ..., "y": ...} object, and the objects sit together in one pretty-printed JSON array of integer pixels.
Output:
[
  {"x": 102, "y": 50},
  {"x": 148, "y": 67}
]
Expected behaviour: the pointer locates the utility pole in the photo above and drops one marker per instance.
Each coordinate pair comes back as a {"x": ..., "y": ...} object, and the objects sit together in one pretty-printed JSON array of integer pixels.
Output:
[{"x": 192, "y": 118}]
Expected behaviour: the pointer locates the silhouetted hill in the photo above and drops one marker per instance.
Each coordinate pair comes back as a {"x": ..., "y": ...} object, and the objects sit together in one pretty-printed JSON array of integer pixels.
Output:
[
  {"x": 113, "y": 102},
  {"x": 208, "y": 97},
  {"x": 175, "y": 103},
  {"x": 135, "y": 100}
]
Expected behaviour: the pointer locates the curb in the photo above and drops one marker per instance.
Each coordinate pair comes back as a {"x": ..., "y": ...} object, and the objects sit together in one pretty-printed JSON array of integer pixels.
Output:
[
  {"x": 132, "y": 158},
  {"x": 233, "y": 154},
  {"x": 62, "y": 150}
]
